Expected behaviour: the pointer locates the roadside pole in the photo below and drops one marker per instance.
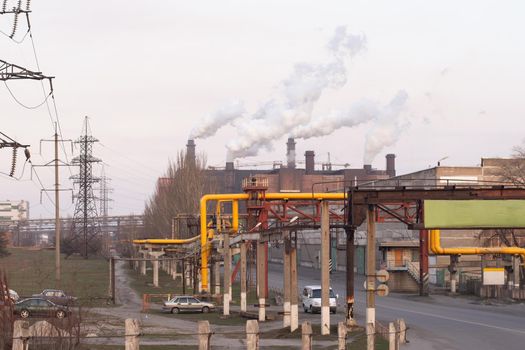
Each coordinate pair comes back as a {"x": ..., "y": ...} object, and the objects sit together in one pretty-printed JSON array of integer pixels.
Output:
[
  {"x": 243, "y": 277},
  {"x": 294, "y": 309},
  {"x": 350, "y": 249},
  {"x": 227, "y": 274},
  {"x": 325, "y": 272},
  {"x": 370, "y": 277},
  {"x": 286, "y": 279},
  {"x": 261, "y": 267},
  {"x": 423, "y": 262}
]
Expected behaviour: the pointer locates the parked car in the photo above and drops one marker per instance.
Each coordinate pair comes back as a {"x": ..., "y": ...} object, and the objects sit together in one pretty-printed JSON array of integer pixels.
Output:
[
  {"x": 39, "y": 307},
  {"x": 57, "y": 296},
  {"x": 311, "y": 298},
  {"x": 13, "y": 295},
  {"x": 187, "y": 303}
]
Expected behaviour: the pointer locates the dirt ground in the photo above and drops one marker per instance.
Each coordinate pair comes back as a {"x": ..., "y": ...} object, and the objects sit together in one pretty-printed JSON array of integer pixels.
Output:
[{"x": 167, "y": 329}]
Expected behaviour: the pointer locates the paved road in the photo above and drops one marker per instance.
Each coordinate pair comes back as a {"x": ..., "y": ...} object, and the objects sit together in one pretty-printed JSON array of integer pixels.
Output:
[{"x": 436, "y": 322}]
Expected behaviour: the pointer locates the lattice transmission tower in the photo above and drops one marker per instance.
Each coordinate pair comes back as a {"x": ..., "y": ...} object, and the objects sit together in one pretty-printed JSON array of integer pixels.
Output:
[{"x": 83, "y": 238}]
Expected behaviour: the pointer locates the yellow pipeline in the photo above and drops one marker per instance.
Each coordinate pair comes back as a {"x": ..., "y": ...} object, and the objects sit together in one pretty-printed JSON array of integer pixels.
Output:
[
  {"x": 166, "y": 241},
  {"x": 235, "y": 197},
  {"x": 435, "y": 245}
]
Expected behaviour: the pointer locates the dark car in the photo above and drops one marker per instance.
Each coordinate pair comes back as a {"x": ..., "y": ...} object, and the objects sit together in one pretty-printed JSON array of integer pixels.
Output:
[
  {"x": 57, "y": 296},
  {"x": 39, "y": 307}
]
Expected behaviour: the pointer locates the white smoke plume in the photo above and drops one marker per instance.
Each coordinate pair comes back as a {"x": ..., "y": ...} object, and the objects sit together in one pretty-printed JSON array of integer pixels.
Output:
[
  {"x": 360, "y": 112},
  {"x": 211, "y": 123},
  {"x": 293, "y": 104},
  {"x": 387, "y": 128}
]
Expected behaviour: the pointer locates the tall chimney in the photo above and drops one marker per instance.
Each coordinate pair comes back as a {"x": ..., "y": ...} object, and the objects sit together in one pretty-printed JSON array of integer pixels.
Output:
[
  {"x": 190, "y": 152},
  {"x": 229, "y": 166},
  {"x": 391, "y": 164},
  {"x": 290, "y": 153},
  {"x": 368, "y": 168},
  {"x": 309, "y": 160}
]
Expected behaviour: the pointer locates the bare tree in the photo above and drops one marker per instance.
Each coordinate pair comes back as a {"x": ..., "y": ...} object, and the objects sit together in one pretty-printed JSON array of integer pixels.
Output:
[
  {"x": 514, "y": 169},
  {"x": 178, "y": 192},
  {"x": 3, "y": 244}
]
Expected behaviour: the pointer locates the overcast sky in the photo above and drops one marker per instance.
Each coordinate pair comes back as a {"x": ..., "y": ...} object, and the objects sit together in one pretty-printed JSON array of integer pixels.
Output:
[{"x": 145, "y": 72}]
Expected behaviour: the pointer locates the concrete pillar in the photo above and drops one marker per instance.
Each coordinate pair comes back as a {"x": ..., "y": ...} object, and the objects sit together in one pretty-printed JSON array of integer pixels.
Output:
[
  {"x": 174, "y": 264},
  {"x": 350, "y": 250},
  {"x": 227, "y": 275},
  {"x": 20, "y": 335},
  {"x": 204, "y": 335},
  {"x": 156, "y": 272},
  {"x": 294, "y": 297},
  {"x": 136, "y": 262},
  {"x": 516, "y": 271},
  {"x": 217, "y": 277},
  {"x": 453, "y": 269},
  {"x": 261, "y": 288},
  {"x": 423, "y": 262},
  {"x": 132, "y": 334},
  {"x": 143, "y": 264},
  {"x": 306, "y": 336},
  {"x": 370, "y": 276},
  {"x": 341, "y": 335},
  {"x": 252, "y": 335},
  {"x": 325, "y": 271},
  {"x": 243, "y": 277},
  {"x": 286, "y": 279}
]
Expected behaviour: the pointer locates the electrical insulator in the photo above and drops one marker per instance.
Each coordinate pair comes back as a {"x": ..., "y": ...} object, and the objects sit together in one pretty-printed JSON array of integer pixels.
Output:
[{"x": 13, "y": 164}]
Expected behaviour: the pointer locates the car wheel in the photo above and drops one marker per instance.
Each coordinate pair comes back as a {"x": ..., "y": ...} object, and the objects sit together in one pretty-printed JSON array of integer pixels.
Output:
[
  {"x": 60, "y": 314},
  {"x": 24, "y": 313},
  {"x": 175, "y": 310},
  {"x": 205, "y": 310}
]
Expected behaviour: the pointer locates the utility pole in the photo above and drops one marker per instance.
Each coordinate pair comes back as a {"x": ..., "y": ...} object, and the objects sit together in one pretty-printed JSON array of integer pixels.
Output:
[
  {"x": 370, "y": 277},
  {"x": 56, "y": 163},
  {"x": 57, "y": 215},
  {"x": 325, "y": 272}
]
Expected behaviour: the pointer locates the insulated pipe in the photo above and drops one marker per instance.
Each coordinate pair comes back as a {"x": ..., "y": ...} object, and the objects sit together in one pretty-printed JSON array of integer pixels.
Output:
[
  {"x": 166, "y": 241},
  {"x": 435, "y": 245},
  {"x": 235, "y": 197}
]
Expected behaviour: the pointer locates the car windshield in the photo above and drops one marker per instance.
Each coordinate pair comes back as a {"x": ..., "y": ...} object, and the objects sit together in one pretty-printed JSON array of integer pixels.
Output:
[{"x": 316, "y": 293}]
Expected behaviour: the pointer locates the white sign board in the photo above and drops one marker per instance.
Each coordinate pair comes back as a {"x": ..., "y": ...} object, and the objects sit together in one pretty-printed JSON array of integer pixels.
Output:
[{"x": 493, "y": 276}]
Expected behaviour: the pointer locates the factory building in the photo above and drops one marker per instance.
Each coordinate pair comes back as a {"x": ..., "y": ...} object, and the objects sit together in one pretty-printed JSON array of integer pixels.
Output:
[{"x": 293, "y": 176}]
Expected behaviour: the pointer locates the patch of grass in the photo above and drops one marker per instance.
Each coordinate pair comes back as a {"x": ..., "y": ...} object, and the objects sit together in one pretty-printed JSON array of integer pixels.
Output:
[
  {"x": 213, "y": 317},
  {"x": 29, "y": 271},
  {"x": 357, "y": 341},
  {"x": 143, "y": 284}
]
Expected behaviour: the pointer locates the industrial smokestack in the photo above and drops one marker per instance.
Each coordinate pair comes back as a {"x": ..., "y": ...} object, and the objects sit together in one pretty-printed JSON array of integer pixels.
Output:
[
  {"x": 290, "y": 153},
  {"x": 391, "y": 164},
  {"x": 190, "y": 152},
  {"x": 229, "y": 166},
  {"x": 368, "y": 168},
  {"x": 309, "y": 160}
]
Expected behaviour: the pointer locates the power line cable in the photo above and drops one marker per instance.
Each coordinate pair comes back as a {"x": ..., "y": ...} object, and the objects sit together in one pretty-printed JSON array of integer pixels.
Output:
[
  {"x": 43, "y": 187},
  {"x": 57, "y": 118},
  {"x": 23, "y": 105}
]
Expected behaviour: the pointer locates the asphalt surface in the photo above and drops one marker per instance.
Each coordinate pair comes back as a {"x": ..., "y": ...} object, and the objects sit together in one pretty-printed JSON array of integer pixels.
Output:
[{"x": 435, "y": 322}]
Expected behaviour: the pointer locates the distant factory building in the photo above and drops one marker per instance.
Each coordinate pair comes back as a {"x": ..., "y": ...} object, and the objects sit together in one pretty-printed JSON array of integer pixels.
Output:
[
  {"x": 290, "y": 177},
  {"x": 13, "y": 211}
]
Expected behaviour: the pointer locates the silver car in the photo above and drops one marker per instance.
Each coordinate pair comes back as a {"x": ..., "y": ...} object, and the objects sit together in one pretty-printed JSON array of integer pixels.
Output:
[{"x": 187, "y": 303}]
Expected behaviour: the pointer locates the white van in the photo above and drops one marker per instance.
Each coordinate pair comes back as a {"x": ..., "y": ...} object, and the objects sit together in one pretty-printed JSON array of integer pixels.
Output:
[{"x": 311, "y": 298}]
